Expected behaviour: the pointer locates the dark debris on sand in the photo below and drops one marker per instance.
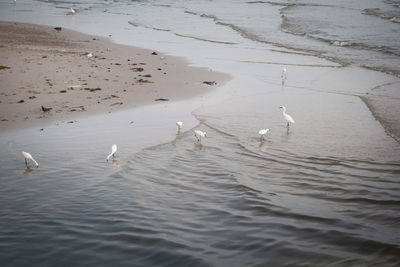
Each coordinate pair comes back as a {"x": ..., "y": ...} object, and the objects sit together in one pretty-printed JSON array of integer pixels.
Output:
[
  {"x": 210, "y": 82},
  {"x": 92, "y": 89}
]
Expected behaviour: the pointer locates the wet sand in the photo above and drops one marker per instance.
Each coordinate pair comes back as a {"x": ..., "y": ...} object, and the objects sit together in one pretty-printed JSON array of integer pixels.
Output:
[
  {"x": 43, "y": 66},
  {"x": 383, "y": 102}
]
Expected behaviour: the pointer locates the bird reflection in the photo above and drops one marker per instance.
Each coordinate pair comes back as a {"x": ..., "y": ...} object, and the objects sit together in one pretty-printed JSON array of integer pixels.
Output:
[
  {"x": 198, "y": 146},
  {"x": 28, "y": 170},
  {"x": 263, "y": 145},
  {"x": 115, "y": 164},
  {"x": 286, "y": 135}
]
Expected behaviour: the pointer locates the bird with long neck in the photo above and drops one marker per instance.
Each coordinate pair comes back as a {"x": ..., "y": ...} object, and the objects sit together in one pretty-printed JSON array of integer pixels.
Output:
[
  {"x": 286, "y": 116},
  {"x": 113, "y": 150},
  {"x": 28, "y": 156}
]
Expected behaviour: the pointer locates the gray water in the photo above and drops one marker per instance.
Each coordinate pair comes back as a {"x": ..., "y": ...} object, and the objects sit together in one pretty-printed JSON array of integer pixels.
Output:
[
  {"x": 361, "y": 32},
  {"x": 324, "y": 193},
  {"x": 305, "y": 197}
]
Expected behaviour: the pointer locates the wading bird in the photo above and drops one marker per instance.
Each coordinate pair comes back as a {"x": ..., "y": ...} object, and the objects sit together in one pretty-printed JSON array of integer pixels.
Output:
[
  {"x": 113, "y": 150},
  {"x": 72, "y": 11},
  {"x": 179, "y": 124},
  {"x": 287, "y": 117},
  {"x": 283, "y": 75},
  {"x": 29, "y": 157},
  {"x": 199, "y": 134},
  {"x": 263, "y": 132}
]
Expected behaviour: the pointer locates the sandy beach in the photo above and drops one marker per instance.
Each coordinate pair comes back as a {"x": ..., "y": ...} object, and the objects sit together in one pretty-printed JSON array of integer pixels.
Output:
[{"x": 49, "y": 67}]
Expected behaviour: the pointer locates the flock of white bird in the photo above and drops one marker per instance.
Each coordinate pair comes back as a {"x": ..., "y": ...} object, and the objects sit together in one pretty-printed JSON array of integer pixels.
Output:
[{"x": 197, "y": 133}]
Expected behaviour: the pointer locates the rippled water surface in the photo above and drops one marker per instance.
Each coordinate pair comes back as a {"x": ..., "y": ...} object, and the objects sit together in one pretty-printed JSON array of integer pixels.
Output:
[{"x": 308, "y": 196}]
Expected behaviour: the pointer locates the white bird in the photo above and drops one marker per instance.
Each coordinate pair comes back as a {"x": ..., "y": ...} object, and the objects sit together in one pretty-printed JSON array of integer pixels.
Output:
[
  {"x": 283, "y": 75},
  {"x": 113, "y": 150},
  {"x": 29, "y": 157},
  {"x": 199, "y": 134},
  {"x": 179, "y": 124},
  {"x": 263, "y": 132},
  {"x": 89, "y": 55},
  {"x": 72, "y": 11},
  {"x": 287, "y": 117}
]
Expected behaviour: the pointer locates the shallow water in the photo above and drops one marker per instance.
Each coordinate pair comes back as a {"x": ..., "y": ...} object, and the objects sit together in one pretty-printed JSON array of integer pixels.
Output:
[
  {"x": 318, "y": 194},
  {"x": 326, "y": 193},
  {"x": 310, "y": 196}
]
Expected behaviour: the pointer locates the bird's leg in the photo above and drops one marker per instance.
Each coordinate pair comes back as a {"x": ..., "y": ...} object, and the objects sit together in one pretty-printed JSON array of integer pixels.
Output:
[
  {"x": 287, "y": 125},
  {"x": 198, "y": 140},
  {"x": 26, "y": 163}
]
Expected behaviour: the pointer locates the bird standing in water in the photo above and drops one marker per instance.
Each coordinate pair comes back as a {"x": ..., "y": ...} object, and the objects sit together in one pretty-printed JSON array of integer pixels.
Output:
[
  {"x": 28, "y": 156},
  {"x": 283, "y": 75},
  {"x": 287, "y": 117},
  {"x": 199, "y": 134},
  {"x": 113, "y": 150}
]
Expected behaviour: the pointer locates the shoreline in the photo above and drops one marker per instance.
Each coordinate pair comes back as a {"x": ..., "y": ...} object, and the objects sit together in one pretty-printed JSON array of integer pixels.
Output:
[
  {"x": 379, "y": 112},
  {"x": 108, "y": 82},
  {"x": 46, "y": 67}
]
